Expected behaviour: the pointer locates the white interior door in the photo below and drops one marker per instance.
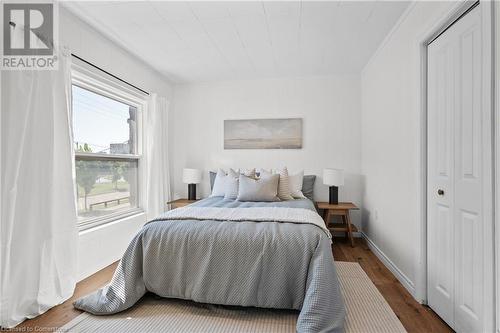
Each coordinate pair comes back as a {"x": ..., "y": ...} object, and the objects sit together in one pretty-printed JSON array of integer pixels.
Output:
[{"x": 455, "y": 175}]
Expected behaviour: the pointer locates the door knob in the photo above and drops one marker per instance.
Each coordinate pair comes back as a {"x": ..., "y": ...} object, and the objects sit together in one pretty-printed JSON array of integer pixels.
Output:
[{"x": 440, "y": 192}]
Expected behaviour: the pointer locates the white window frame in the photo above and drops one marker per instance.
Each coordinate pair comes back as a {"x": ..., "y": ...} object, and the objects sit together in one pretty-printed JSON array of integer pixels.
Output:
[{"x": 87, "y": 78}]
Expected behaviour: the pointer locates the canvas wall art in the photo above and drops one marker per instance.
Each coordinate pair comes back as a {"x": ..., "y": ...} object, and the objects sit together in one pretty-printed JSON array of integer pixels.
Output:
[{"x": 263, "y": 133}]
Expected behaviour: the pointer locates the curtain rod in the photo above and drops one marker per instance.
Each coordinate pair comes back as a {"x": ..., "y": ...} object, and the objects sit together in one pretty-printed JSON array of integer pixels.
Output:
[
  {"x": 104, "y": 71},
  {"x": 474, "y": 5}
]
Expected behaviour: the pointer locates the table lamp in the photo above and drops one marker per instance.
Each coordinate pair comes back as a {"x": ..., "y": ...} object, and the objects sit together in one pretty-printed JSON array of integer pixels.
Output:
[
  {"x": 191, "y": 177},
  {"x": 333, "y": 178}
]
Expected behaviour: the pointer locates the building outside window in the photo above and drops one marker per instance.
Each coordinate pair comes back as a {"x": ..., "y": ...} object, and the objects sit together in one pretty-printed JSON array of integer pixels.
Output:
[{"x": 107, "y": 154}]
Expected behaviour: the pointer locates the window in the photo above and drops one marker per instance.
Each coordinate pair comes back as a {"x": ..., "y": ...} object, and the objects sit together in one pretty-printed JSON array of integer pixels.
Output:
[{"x": 107, "y": 154}]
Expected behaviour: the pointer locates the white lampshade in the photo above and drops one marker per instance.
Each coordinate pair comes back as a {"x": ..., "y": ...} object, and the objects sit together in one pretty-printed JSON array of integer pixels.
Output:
[
  {"x": 191, "y": 176},
  {"x": 333, "y": 177}
]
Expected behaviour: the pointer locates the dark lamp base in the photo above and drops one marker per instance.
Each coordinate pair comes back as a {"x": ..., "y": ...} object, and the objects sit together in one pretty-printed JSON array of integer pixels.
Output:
[
  {"x": 334, "y": 195},
  {"x": 191, "y": 191}
]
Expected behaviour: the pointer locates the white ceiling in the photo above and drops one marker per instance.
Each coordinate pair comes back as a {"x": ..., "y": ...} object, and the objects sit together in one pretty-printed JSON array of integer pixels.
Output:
[{"x": 209, "y": 41}]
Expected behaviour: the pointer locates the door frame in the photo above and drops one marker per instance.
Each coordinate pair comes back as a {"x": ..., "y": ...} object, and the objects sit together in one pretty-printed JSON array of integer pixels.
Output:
[{"x": 489, "y": 134}]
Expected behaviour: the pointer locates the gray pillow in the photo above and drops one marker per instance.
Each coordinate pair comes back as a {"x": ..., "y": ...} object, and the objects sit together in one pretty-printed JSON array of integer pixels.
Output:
[
  {"x": 308, "y": 186},
  {"x": 212, "y": 179},
  {"x": 263, "y": 189}
]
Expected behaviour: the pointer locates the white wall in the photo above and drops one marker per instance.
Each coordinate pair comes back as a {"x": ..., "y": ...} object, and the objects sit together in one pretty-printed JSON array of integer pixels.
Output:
[
  {"x": 102, "y": 246},
  {"x": 330, "y": 108},
  {"x": 390, "y": 140},
  {"x": 92, "y": 46}
]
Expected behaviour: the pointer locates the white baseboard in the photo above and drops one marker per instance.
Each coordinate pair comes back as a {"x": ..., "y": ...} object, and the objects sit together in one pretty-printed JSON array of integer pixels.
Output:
[{"x": 405, "y": 281}]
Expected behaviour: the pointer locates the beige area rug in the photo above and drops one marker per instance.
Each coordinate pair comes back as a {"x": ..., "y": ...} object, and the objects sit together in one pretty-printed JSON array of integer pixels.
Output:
[{"x": 367, "y": 312}]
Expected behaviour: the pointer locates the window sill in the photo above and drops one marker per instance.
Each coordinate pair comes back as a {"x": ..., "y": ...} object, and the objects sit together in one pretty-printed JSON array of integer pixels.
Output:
[{"x": 98, "y": 223}]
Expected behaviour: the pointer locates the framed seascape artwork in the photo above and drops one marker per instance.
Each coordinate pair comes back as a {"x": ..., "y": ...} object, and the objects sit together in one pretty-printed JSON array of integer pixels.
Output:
[{"x": 263, "y": 133}]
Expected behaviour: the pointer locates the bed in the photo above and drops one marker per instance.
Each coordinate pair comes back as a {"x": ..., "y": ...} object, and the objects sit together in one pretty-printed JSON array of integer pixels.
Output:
[{"x": 279, "y": 262}]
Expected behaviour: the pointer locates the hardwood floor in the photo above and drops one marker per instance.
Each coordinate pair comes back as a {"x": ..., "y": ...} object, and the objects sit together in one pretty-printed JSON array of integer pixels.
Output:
[
  {"x": 415, "y": 317},
  {"x": 65, "y": 312}
]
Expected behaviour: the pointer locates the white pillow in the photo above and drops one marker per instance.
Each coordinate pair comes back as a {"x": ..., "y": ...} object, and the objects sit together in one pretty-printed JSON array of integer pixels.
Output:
[
  {"x": 295, "y": 184},
  {"x": 232, "y": 182},
  {"x": 219, "y": 189},
  {"x": 224, "y": 184},
  {"x": 284, "y": 192},
  {"x": 264, "y": 172}
]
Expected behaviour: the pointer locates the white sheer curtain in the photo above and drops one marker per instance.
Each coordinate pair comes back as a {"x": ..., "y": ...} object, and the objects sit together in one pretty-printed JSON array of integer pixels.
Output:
[
  {"x": 158, "y": 177},
  {"x": 38, "y": 233}
]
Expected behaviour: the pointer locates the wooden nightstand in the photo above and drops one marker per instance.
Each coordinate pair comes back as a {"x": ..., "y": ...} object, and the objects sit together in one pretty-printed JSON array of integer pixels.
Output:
[
  {"x": 180, "y": 203},
  {"x": 342, "y": 209}
]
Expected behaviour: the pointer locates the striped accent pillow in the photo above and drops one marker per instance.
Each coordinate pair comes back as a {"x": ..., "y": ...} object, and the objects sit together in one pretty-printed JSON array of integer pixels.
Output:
[{"x": 284, "y": 192}]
